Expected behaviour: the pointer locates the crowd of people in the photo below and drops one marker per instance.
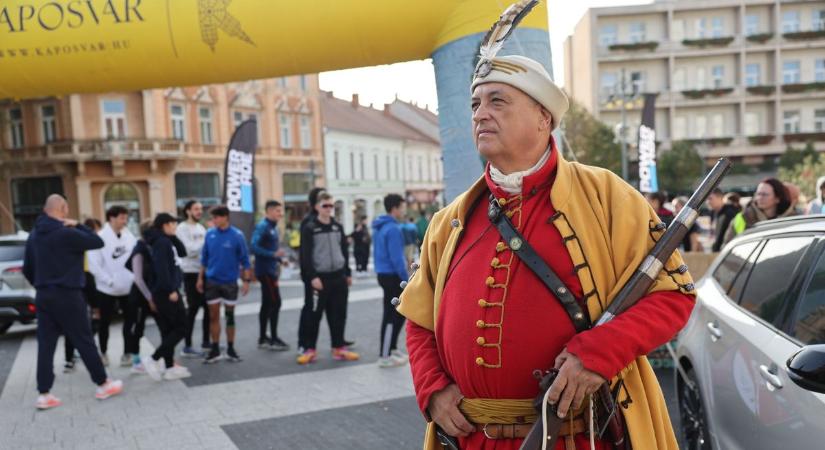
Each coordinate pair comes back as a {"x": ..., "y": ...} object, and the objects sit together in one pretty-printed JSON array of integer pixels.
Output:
[
  {"x": 177, "y": 268},
  {"x": 729, "y": 217}
]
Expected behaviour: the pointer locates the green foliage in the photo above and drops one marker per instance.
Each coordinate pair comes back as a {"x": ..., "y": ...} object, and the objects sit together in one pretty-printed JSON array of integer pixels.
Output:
[
  {"x": 805, "y": 174},
  {"x": 794, "y": 157},
  {"x": 591, "y": 141},
  {"x": 680, "y": 168}
]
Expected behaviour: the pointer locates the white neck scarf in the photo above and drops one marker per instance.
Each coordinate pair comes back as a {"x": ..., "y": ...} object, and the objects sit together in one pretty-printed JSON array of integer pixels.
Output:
[{"x": 513, "y": 182}]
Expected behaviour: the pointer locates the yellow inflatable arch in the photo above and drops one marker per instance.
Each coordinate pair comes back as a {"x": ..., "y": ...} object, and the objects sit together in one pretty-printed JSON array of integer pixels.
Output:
[{"x": 54, "y": 47}]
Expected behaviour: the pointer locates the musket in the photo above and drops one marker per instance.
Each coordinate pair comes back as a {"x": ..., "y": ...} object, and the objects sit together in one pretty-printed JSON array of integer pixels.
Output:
[{"x": 632, "y": 291}]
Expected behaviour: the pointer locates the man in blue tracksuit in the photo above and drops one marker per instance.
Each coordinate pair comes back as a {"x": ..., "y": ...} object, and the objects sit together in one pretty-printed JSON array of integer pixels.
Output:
[
  {"x": 265, "y": 246},
  {"x": 391, "y": 267},
  {"x": 53, "y": 264},
  {"x": 224, "y": 253}
]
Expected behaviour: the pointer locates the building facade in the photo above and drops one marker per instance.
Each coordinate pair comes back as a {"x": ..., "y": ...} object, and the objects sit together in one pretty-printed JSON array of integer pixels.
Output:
[
  {"x": 153, "y": 150},
  {"x": 739, "y": 78},
  {"x": 370, "y": 153}
]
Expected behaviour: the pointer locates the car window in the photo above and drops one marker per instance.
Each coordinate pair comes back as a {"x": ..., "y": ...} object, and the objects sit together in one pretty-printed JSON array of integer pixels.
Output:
[
  {"x": 12, "y": 251},
  {"x": 771, "y": 277},
  {"x": 726, "y": 272},
  {"x": 809, "y": 323}
]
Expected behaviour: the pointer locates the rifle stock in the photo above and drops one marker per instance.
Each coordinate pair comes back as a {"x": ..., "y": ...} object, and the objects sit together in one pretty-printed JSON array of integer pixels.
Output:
[{"x": 635, "y": 288}]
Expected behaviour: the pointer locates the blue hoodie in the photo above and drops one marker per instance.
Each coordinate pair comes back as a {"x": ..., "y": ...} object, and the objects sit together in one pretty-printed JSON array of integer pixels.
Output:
[
  {"x": 264, "y": 244},
  {"x": 54, "y": 254},
  {"x": 224, "y": 251},
  {"x": 388, "y": 247}
]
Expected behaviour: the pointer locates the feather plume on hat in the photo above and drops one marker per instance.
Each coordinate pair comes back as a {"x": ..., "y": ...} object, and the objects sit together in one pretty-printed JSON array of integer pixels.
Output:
[{"x": 499, "y": 32}]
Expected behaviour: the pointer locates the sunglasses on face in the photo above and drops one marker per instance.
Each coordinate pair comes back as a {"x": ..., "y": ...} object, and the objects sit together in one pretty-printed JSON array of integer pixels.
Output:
[{"x": 327, "y": 205}]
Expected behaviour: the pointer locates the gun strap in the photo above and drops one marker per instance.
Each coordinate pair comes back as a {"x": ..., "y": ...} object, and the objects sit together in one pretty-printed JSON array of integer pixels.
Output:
[{"x": 519, "y": 245}]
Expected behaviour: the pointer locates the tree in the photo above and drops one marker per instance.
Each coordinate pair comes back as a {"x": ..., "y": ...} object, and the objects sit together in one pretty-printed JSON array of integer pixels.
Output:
[
  {"x": 794, "y": 157},
  {"x": 591, "y": 141},
  {"x": 680, "y": 168},
  {"x": 805, "y": 174}
]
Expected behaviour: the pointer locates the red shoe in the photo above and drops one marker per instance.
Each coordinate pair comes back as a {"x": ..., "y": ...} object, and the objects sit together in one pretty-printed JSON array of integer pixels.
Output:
[
  {"x": 108, "y": 389},
  {"x": 308, "y": 356},
  {"x": 47, "y": 401}
]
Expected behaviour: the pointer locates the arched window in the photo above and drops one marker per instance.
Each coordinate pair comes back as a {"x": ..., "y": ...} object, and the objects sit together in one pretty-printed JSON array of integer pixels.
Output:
[{"x": 124, "y": 194}]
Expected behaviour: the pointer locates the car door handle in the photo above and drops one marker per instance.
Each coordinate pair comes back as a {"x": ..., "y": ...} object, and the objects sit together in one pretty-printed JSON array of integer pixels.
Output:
[
  {"x": 715, "y": 332},
  {"x": 770, "y": 376}
]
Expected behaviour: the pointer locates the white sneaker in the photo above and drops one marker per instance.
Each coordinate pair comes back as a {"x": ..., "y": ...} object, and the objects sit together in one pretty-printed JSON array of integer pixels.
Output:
[
  {"x": 399, "y": 357},
  {"x": 126, "y": 360},
  {"x": 47, "y": 401},
  {"x": 138, "y": 369},
  {"x": 151, "y": 367},
  {"x": 176, "y": 373},
  {"x": 389, "y": 362},
  {"x": 108, "y": 389}
]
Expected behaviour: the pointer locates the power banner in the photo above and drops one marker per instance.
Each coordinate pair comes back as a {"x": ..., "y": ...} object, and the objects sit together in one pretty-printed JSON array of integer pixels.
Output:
[
  {"x": 648, "y": 181},
  {"x": 239, "y": 187}
]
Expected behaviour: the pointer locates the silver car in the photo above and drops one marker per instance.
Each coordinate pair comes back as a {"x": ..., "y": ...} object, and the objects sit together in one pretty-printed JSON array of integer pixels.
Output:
[
  {"x": 16, "y": 294},
  {"x": 752, "y": 363}
]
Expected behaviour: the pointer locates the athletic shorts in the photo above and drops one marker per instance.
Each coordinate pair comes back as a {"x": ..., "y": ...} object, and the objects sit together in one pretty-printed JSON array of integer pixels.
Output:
[{"x": 221, "y": 293}]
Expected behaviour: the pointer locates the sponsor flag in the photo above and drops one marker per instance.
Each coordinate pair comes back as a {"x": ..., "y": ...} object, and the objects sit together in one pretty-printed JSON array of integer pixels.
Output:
[
  {"x": 239, "y": 173},
  {"x": 648, "y": 180}
]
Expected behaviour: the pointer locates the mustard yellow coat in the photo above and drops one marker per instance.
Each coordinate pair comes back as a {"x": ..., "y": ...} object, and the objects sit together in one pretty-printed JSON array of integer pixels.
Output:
[{"x": 611, "y": 221}]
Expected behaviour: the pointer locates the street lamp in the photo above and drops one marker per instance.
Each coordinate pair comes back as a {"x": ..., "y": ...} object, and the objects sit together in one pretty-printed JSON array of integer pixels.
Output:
[{"x": 624, "y": 94}]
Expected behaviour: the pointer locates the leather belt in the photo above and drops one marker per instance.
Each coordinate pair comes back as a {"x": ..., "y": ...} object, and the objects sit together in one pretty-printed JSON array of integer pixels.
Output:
[{"x": 520, "y": 430}]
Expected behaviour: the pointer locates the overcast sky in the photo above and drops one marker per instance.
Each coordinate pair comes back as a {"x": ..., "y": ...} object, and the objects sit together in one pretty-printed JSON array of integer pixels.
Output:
[{"x": 415, "y": 82}]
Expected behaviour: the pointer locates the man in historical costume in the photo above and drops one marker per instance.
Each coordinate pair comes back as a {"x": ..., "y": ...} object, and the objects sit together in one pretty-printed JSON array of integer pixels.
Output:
[{"x": 481, "y": 322}]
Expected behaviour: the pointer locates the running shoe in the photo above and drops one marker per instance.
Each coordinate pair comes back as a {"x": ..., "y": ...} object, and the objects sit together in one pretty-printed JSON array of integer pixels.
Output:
[
  {"x": 308, "y": 356},
  {"x": 126, "y": 360},
  {"x": 68, "y": 367},
  {"x": 213, "y": 356},
  {"x": 189, "y": 352},
  {"x": 47, "y": 401},
  {"x": 137, "y": 369},
  {"x": 176, "y": 373},
  {"x": 232, "y": 355},
  {"x": 264, "y": 342},
  {"x": 399, "y": 357},
  {"x": 278, "y": 345},
  {"x": 388, "y": 362},
  {"x": 344, "y": 354},
  {"x": 151, "y": 367},
  {"x": 108, "y": 389}
]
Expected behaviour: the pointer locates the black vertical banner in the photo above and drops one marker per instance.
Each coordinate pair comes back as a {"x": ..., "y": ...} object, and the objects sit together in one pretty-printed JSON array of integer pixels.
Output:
[
  {"x": 239, "y": 173},
  {"x": 648, "y": 179}
]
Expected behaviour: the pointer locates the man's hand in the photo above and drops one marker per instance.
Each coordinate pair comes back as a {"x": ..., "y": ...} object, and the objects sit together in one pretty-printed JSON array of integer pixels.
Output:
[
  {"x": 245, "y": 288},
  {"x": 199, "y": 285},
  {"x": 152, "y": 306},
  {"x": 69, "y": 222},
  {"x": 173, "y": 297},
  {"x": 349, "y": 281},
  {"x": 572, "y": 384},
  {"x": 317, "y": 284},
  {"x": 444, "y": 411},
  {"x": 280, "y": 253}
]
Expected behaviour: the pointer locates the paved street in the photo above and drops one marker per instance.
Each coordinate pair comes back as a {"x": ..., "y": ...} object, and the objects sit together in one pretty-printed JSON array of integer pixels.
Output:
[{"x": 264, "y": 402}]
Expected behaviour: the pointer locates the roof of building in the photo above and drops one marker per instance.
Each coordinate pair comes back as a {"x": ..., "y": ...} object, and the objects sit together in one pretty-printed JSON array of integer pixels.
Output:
[
  {"x": 423, "y": 120},
  {"x": 351, "y": 116}
]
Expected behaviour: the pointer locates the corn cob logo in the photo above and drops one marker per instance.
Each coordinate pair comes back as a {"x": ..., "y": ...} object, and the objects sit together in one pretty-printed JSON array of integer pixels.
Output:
[{"x": 213, "y": 16}]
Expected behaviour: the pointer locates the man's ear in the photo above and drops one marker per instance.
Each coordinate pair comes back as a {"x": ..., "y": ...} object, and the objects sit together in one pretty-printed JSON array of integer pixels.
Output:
[{"x": 546, "y": 121}]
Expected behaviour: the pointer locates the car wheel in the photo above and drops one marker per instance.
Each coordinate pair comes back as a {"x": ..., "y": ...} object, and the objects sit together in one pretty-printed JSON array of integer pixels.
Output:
[
  {"x": 4, "y": 326},
  {"x": 692, "y": 413}
]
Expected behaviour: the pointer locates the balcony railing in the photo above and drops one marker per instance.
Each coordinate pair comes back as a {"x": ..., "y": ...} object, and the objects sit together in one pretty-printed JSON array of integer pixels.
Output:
[
  {"x": 765, "y": 89},
  {"x": 818, "y": 136},
  {"x": 804, "y": 35},
  {"x": 796, "y": 88},
  {"x": 761, "y": 139},
  {"x": 116, "y": 149},
  {"x": 702, "y": 93},
  {"x": 633, "y": 46},
  {"x": 708, "y": 42},
  {"x": 759, "y": 38},
  {"x": 711, "y": 141}
]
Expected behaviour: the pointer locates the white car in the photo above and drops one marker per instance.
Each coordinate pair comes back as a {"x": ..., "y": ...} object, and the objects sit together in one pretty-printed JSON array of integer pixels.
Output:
[
  {"x": 16, "y": 294},
  {"x": 751, "y": 360}
]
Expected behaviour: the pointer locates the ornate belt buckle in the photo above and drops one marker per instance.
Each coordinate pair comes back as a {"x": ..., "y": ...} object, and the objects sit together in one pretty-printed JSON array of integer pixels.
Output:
[{"x": 484, "y": 430}]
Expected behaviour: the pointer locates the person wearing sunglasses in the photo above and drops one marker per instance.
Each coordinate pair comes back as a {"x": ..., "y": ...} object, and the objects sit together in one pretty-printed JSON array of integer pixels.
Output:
[{"x": 324, "y": 256}]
